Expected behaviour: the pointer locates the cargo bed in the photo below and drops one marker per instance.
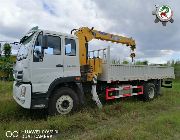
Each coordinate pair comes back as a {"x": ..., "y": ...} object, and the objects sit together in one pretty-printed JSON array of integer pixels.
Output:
[
  {"x": 112, "y": 72},
  {"x": 126, "y": 72}
]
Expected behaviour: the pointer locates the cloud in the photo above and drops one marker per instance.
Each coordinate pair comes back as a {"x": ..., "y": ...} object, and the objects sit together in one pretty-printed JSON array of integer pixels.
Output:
[
  {"x": 23, "y": 15},
  {"x": 49, "y": 8},
  {"x": 125, "y": 17},
  {"x": 134, "y": 18}
]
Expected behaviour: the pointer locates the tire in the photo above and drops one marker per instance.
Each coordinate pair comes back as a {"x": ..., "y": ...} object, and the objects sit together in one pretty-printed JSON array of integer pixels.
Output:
[
  {"x": 149, "y": 92},
  {"x": 64, "y": 101}
]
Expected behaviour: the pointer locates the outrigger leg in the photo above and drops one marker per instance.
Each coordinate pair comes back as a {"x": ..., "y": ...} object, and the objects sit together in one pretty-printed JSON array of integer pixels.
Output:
[{"x": 94, "y": 93}]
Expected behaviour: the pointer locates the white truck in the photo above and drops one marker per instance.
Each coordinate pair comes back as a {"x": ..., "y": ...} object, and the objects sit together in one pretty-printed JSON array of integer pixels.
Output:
[{"x": 54, "y": 71}]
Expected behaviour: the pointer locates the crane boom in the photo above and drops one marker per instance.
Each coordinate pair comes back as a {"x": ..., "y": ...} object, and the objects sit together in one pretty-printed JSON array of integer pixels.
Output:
[
  {"x": 114, "y": 38},
  {"x": 85, "y": 35}
]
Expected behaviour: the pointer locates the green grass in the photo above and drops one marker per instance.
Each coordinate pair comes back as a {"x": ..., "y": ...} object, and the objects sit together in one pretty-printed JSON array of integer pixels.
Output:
[{"x": 126, "y": 119}]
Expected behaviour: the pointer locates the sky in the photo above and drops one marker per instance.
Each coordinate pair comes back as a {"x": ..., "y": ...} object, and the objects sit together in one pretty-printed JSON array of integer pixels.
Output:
[{"x": 131, "y": 18}]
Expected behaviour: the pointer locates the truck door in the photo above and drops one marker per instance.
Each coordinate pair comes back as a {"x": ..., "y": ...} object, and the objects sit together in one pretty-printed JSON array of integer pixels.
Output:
[
  {"x": 71, "y": 57},
  {"x": 47, "y": 66}
]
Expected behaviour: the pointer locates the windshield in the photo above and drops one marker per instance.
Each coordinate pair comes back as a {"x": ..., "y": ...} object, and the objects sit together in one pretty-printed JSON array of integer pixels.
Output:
[
  {"x": 22, "y": 53},
  {"x": 23, "y": 49}
]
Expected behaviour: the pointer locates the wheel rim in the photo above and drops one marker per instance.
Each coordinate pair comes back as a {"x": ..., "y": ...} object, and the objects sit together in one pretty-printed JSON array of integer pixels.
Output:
[
  {"x": 64, "y": 104},
  {"x": 151, "y": 92}
]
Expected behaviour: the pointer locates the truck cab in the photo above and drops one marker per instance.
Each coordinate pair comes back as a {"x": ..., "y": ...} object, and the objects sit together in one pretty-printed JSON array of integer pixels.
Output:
[{"x": 45, "y": 60}]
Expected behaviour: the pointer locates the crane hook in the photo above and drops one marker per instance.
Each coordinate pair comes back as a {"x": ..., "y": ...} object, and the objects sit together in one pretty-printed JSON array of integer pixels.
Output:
[{"x": 132, "y": 56}]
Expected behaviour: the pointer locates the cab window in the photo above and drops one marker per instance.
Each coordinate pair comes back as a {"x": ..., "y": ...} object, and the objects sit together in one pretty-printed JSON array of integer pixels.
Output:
[
  {"x": 54, "y": 45},
  {"x": 70, "y": 47}
]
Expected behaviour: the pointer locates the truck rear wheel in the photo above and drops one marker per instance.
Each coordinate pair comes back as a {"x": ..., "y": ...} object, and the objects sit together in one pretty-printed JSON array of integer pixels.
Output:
[
  {"x": 64, "y": 101},
  {"x": 149, "y": 91}
]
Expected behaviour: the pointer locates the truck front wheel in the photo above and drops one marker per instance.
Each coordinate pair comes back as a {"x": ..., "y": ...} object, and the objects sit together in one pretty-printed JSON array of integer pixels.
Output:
[
  {"x": 149, "y": 91},
  {"x": 64, "y": 101}
]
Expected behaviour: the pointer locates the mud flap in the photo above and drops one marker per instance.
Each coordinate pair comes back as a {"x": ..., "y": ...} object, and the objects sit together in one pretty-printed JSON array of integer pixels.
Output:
[{"x": 166, "y": 83}]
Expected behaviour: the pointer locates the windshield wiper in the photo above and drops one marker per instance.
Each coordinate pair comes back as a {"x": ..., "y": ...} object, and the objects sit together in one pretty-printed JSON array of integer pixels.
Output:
[
  {"x": 26, "y": 37},
  {"x": 23, "y": 39}
]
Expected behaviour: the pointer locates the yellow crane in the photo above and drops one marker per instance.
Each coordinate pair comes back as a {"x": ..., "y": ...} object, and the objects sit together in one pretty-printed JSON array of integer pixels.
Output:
[{"x": 89, "y": 67}]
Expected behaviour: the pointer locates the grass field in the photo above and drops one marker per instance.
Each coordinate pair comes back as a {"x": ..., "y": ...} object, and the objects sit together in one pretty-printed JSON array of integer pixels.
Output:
[{"x": 126, "y": 119}]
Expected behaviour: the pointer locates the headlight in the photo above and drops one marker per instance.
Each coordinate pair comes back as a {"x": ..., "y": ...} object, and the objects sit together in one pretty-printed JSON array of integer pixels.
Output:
[
  {"x": 23, "y": 92},
  {"x": 19, "y": 76}
]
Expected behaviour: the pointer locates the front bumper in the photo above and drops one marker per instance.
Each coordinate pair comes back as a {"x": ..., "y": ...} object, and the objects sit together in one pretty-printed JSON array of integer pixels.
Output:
[{"x": 25, "y": 99}]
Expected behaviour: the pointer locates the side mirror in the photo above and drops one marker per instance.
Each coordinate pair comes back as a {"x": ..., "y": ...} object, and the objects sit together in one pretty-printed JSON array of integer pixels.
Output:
[
  {"x": 37, "y": 52},
  {"x": 44, "y": 42}
]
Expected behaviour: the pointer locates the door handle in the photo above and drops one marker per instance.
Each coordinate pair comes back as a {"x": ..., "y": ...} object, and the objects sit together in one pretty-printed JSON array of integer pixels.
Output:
[{"x": 59, "y": 65}]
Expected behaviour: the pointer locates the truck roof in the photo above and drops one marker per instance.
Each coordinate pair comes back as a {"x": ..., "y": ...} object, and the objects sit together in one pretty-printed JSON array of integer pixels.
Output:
[{"x": 59, "y": 33}]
